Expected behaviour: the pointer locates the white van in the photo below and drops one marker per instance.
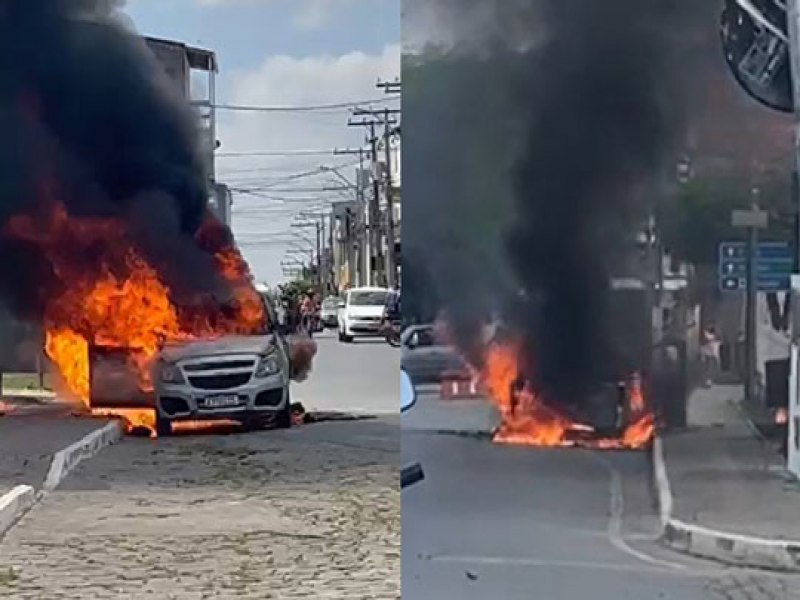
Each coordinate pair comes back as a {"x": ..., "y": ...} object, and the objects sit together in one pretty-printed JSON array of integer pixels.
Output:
[{"x": 361, "y": 312}]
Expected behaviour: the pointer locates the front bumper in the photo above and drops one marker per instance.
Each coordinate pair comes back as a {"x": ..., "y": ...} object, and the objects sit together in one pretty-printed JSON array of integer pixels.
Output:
[
  {"x": 364, "y": 326},
  {"x": 185, "y": 403}
]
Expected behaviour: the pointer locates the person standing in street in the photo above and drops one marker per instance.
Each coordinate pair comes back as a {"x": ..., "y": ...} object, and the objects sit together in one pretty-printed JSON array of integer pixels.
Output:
[{"x": 710, "y": 354}]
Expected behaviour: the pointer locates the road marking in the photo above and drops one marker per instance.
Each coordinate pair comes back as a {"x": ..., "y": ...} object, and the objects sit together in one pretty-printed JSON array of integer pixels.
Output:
[
  {"x": 616, "y": 519},
  {"x": 514, "y": 561},
  {"x": 615, "y": 524}
]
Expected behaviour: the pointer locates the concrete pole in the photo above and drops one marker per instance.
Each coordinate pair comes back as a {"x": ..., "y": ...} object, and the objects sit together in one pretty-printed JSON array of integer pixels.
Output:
[
  {"x": 391, "y": 268},
  {"x": 750, "y": 315},
  {"x": 793, "y": 22}
]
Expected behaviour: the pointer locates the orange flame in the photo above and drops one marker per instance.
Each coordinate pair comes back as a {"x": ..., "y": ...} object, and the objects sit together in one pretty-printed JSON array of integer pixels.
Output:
[
  {"x": 527, "y": 420},
  {"x": 105, "y": 293}
]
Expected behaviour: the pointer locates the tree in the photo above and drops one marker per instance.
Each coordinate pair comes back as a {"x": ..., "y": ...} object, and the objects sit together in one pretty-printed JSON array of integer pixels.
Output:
[{"x": 698, "y": 217}]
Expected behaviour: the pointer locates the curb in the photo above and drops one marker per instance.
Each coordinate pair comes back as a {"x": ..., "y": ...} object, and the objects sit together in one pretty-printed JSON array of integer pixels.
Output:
[
  {"x": 14, "y": 505},
  {"x": 722, "y": 546},
  {"x": 65, "y": 461}
]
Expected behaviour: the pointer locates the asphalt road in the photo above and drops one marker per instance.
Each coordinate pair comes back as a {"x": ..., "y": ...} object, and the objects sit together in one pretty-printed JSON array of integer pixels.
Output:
[
  {"x": 518, "y": 523},
  {"x": 363, "y": 376},
  {"x": 310, "y": 512}
]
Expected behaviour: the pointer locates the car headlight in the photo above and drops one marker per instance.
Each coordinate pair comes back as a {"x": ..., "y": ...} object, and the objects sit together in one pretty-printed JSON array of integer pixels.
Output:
[
  {"x": 268, "y": 365},
  {"x": 170, "y": 373}
]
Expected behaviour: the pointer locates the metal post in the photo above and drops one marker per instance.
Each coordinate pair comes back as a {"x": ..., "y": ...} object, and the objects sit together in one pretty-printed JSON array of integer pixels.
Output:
[
  {"x": 752, "y": 220},
  {"x": 793, "y": 23},
  {"x": 391, "y": 268},
  {"x": 374, "y": 212},
  {"x": 319, "y": 254},
  {"x": 750, "y": 315}
]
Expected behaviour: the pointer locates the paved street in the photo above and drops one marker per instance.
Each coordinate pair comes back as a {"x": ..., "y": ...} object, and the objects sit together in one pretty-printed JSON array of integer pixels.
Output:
[
  {"x": 312, "y": 512},
  {"x": 520, "y": 523},
  {"x": 363, "y": 376}
]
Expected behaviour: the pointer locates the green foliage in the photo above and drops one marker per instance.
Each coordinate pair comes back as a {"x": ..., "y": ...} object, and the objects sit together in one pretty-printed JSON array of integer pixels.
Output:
[
  {"x": 459, "y": 157},
  {"x": 698, "y": 217}
]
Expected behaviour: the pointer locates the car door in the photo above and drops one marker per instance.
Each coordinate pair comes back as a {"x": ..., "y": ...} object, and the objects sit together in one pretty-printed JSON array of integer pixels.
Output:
[{"x": 272, "y": 321}]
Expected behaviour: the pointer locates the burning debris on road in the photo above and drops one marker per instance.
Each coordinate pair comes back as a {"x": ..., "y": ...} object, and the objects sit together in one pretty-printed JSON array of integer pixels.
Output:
[
  {"x": 527, "y": 419},
  {"x": 104, "y": 227}
]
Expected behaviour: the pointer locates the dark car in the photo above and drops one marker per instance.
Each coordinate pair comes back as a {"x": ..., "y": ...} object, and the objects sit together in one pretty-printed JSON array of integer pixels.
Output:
[{"x": 425, "y": 359}]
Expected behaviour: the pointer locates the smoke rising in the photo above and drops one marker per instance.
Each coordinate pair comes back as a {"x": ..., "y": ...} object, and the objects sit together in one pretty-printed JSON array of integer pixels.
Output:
[
  {"x": 598, "y": 129},
  {"x": 92, "y": 122},
  {"x": 591, "y": 90}
]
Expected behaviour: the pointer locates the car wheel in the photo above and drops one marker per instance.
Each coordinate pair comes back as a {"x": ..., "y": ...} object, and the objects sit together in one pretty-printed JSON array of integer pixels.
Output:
[{"x": 163, "y": 426}]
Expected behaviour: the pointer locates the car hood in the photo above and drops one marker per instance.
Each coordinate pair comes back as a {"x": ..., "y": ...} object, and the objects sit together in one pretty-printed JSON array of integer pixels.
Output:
[{"x": 244, "y": 344}]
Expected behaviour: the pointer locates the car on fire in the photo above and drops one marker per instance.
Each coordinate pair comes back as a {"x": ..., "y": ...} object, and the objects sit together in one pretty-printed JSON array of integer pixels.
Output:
[{"x": 244, "y": 378}]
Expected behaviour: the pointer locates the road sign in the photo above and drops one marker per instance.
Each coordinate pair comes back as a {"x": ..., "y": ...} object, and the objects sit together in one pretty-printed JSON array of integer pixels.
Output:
[
  {"x": 755, "y": 218},
  {"x": 774, "y": 266}
]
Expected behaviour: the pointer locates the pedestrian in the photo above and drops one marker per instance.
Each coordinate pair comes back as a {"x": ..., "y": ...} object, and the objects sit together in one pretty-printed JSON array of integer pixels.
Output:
[{"x": 710, "y": 355}]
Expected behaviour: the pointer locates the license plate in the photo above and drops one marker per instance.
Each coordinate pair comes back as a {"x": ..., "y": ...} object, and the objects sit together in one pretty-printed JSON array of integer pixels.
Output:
[{"x": 220, "y": 401}]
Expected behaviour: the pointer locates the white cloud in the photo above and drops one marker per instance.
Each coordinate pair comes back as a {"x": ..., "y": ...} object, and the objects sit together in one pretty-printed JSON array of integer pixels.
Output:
[
  {"x": 310, "y": 15},
  {"x": 283, "y": 81}
]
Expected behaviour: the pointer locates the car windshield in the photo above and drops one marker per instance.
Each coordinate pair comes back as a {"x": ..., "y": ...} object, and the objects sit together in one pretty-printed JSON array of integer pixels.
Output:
[
  {"x": 371, "y": 298},
  {"x": 331, "y": 302}
]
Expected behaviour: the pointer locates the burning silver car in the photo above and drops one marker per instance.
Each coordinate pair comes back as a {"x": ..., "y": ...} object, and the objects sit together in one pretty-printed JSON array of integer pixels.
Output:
[{"x": 243, "y": 378}]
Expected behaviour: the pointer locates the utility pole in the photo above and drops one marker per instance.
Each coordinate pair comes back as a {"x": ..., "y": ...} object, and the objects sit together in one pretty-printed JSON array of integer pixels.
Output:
[
  {"x": 751, "y": 220},
  {"x": 390, "y": 87},
  {"x": 319, "y": 254},
  {"x": 380, "y": 230},
  {"x": 373, "y": 222},
  {"x": 332, "y": 276},
  {"x": 391, "y": 265},
  {"x": 356, "y": 243}
]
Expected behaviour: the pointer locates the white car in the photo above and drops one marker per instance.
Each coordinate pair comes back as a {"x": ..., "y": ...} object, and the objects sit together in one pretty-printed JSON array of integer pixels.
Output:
[{"x": 362, "y": 312}]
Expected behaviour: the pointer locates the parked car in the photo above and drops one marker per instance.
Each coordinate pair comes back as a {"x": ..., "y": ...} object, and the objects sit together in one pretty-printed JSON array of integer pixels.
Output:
[
  {"x": 425, "y": 358},
  {"x": 329, "y": 313},
  {"x": 362, "y": 312}
]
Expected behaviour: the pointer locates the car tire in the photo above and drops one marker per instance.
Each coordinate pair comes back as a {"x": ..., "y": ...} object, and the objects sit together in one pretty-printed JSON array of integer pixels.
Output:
[
  {"x": 284, "y": 418},
  {"x": 163, "y": 426}
]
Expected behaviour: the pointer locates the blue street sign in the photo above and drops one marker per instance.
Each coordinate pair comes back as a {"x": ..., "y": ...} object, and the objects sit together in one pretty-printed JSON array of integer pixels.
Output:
[{"x": 774, "y": 266}]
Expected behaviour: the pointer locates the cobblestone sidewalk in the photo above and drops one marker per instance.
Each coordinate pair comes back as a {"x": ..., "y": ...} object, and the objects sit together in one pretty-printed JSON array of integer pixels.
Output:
[{"x": 313, "y": 512}]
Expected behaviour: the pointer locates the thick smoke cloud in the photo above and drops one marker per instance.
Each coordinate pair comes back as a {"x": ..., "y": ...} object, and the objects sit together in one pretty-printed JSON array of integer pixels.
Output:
[
  {"x": 591, "y": 92},
  {"x": 599, "y": 125},
  {"x": 91, "y": 121}
]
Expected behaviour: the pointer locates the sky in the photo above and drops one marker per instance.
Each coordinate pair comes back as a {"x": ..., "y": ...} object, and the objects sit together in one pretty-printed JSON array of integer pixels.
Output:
[{"x": 282, "y": 53}]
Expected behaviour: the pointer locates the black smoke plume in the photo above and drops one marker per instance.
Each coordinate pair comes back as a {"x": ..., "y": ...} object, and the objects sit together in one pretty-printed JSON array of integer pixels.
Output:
[
  {"x": 593, "y": 94},
  {"x": 600, "y": 122},
  {"x": 90, "y": 120}
]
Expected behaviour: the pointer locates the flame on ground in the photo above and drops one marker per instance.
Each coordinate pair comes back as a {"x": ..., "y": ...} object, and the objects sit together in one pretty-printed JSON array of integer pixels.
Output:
[
  {"x": 527, "y": 420},
  {"x": 103, "y": 292}
]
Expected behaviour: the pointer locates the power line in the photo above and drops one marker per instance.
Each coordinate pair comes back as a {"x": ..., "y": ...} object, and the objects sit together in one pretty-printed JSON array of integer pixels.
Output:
[
  {"x": 304, "y": 108},
  {"x": 277, "y": 153}
]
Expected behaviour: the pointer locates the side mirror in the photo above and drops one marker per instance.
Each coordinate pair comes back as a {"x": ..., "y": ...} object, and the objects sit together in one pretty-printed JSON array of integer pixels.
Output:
[
  {"x": 413, "y": 340},
  {"x": 340, "y": 304},
  {"x": 408, "y": 396}
]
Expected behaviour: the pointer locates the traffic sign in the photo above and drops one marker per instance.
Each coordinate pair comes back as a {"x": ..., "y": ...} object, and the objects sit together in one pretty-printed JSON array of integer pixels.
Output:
[{"x": 774, "y": 266}]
